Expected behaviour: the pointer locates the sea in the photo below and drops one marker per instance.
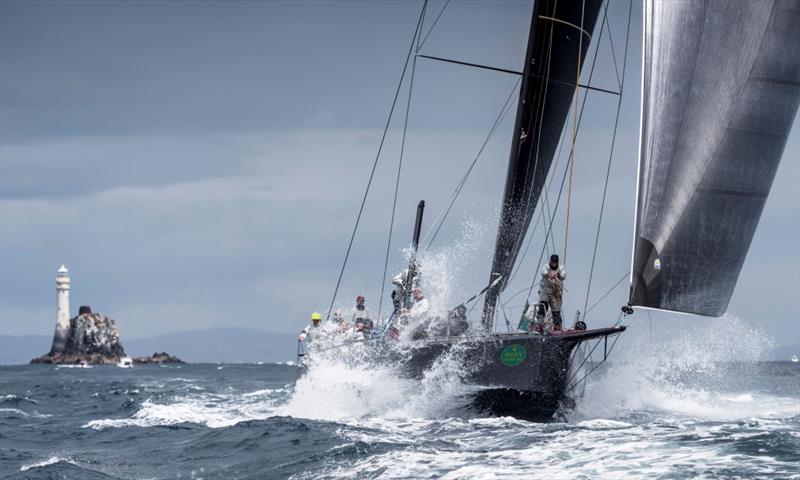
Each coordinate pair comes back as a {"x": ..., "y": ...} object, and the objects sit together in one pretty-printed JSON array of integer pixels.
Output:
[{"x": 666, "y": 411}]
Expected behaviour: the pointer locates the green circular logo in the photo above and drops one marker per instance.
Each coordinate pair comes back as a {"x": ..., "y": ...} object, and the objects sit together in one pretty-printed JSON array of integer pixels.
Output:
[{"x": 513, "y": 355}]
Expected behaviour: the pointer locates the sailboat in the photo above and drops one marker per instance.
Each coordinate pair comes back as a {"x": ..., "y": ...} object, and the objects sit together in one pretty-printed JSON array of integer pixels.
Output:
[{"x": 720, "y": 90}]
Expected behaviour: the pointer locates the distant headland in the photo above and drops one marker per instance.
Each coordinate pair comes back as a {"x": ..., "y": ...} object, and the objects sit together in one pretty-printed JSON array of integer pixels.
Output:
[{"x": 88, "y": 338}]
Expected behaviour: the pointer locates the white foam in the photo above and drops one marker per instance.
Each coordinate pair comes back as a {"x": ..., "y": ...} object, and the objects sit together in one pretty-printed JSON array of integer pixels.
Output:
[
  {"x": 50, "y": 461},
  {"x": 354, "y": 387},
  {"x": 508, "y": 448},
  {"x": 17, "y": 411},
  {"x": 647, "y": 375},
  {"x": 215, "y": 411}
]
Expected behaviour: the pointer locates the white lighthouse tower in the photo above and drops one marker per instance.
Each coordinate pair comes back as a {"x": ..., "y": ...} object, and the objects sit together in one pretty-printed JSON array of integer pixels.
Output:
[{"x": 62, "y": 314}]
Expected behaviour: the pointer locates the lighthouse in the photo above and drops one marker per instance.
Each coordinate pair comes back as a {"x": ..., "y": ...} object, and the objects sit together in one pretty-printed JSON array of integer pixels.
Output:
[{"x": 62, "y": 313}]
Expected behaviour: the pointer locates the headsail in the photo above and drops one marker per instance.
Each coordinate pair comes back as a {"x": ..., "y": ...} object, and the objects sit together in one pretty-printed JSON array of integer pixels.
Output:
[
  {"x": 720, "y": 89},
  {"x": 559, "y": 37}
]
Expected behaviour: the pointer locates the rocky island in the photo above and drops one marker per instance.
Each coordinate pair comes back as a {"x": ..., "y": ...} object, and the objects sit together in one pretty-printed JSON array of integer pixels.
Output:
[
  {"x": 88, "y": 338},
  {"x": 158, "y": 358},
  {"x": 92, "y": 338}
]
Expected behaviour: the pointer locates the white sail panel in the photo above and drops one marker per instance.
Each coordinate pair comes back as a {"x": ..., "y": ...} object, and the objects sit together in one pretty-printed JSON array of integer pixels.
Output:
[{"x": 720, "y": 90}]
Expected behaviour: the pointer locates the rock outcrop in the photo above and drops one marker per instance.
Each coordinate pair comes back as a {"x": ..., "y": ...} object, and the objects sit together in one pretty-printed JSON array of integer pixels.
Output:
[
  {"x": 92, "y": 339},
  {"x": 158, "y": 358}
]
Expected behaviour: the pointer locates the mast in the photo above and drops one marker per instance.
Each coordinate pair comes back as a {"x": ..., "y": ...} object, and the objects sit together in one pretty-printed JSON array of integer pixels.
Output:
[
  {"x": 558, "y": 40},
  {"x": 411, "y": 277}
]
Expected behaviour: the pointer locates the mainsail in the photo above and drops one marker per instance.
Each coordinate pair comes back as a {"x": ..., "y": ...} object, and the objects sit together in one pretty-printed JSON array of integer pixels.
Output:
[
  {"x": 559, "y": 37},
  {"x": 720, "y": 89}
]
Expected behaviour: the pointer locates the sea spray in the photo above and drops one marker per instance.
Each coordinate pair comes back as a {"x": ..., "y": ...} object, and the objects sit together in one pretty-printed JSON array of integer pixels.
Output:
[
  {"x": 688, "y": 371},
  {"x": 344, "y": 380},
  {"x": 349, "y": 379}
]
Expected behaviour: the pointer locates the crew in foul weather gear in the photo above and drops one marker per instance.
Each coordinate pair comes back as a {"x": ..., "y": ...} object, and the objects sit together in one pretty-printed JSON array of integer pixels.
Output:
[
  {"x": 337, "y": 318},
  {"x": 551, "y": 289},
  {"x": 361, "y": 318},
  {"x": 316, "y": 318},
  {"x": 399, "y": 290},
  {"x": 421, "y": 305},
  {"x": 416, "y": 318},
  {"x": 458, "y": 323}
]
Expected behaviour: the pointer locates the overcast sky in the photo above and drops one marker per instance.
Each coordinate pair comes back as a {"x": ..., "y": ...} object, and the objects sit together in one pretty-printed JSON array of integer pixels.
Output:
[{"x": 201, "y": 164}]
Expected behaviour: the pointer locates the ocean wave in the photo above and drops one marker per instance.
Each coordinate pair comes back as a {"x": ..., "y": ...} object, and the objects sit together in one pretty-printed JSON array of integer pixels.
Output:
[
  {"x": 50, "y": 461},
  {"x": 535, "y": 451},
  {"x": 214, "y": 411},
  {"x": 16, "y": 411},
  {"x": 16, "y": 400}
]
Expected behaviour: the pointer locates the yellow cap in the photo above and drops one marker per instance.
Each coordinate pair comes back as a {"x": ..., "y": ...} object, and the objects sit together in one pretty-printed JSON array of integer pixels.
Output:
[{"x": 316, "y": 316}]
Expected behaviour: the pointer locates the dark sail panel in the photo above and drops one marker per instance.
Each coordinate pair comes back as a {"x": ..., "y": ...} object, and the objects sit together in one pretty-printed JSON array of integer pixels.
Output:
[
  {"x": 559, "y": 36},
  {"x": 720, "y": 90}
]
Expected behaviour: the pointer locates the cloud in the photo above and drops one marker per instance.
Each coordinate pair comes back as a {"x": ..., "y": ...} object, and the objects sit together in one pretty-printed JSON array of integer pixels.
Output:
[{"x": 207, "y": 170}]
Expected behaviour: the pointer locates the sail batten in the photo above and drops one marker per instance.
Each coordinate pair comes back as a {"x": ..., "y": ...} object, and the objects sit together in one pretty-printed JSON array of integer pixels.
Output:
[
  {"x": 558, "y": 40},
  {"x": 720, "y": 90}
]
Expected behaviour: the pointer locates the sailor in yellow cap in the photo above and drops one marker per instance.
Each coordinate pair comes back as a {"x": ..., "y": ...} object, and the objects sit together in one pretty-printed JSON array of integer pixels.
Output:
[{"x": 316, "y": 319}]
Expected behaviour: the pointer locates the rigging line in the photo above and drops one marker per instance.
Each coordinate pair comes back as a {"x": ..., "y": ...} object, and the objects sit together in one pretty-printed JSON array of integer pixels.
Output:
[
  {"x": 550, "y": 226},
  {"x": 547, "y": 208},
  {"x": 532, "y": 233},
  {"x": 561, "y": 142},
  {"x": 571, "y": 161},
  {"x": 580, "y": 118},
  {"x": 540, "y": 99},
  {"x": 613, "y": 53},
  {"x": 608, "y": 168},
  {"x": 616, "y": 337},
  {"x": 463, "y": 180},
  {"x": 515, "y": 294},
  {"x": 469, "y": 64},
  {"x": 397, "y": 185},
  {"x": 422, "y": 23},
  {"x": 585, "y": 359},
  {"x": 375, "y": 163},
  {"x": 528, "y": 244},
  {"x": 435, "y": 21},
  {"x": 445, "y": 211},
  {"x": 508, "y": 324},
  {"x": 515, "y": 72},
  {"x": 586, "y": 311}
]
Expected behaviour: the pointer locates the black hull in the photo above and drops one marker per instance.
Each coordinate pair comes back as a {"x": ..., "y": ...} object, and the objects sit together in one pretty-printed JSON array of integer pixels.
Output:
[{"x": 521, "y": 375}]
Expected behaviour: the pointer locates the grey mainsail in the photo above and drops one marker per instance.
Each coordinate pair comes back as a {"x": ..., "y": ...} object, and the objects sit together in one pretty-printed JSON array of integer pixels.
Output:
[
  {"x": 559, "y": 37},
  {"x": 720, "y": 90}
]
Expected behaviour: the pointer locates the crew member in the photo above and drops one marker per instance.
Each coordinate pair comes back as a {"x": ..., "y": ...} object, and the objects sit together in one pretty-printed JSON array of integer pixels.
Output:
[
  {"x": 416, "y": 317},
  {"x": 458, "y": 321},
  {"x": 551, "y": 289},
  {"x": 361, "y": 318},
  {"x": 420, "y": 306},
  {"x": 337, "y": 318},
  {"x": 316, "y": 318},
  {"x": 398, "y": 293}
]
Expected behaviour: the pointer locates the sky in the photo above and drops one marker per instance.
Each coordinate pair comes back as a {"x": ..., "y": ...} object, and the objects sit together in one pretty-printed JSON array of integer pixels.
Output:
[{"x": 201, "y": 164}]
